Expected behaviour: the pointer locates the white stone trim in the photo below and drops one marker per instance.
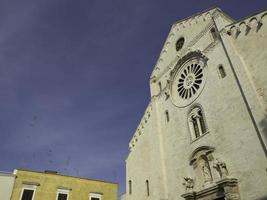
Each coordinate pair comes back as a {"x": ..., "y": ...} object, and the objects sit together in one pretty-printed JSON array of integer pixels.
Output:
[
  {"x": 63, "y": 191},
  {"x": 28, "y": 187},
  {"x": 95, "y": 195}
]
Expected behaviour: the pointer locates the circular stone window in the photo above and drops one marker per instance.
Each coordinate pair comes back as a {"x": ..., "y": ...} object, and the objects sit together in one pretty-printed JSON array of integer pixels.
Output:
[
  {"x": 188, "y": 82},
  {"x": 179, "y": 44}
]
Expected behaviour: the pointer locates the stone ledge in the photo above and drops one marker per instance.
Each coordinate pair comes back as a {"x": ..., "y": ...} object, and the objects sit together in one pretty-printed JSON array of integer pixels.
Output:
[{"x": 226, "y": 188}]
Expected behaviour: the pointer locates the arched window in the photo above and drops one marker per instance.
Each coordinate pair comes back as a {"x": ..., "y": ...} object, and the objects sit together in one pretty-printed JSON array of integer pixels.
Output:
[
  {"x": 213, "y": 33},
  {"x": 197, "y": 123},
  {"x": 180, "y": 44},
  {"x": 221, "y": 72},
  {"x": 147, "y": 187},
  {"x": 167, "y": 116},
  {"x": 130, "y": 187},
  {"x": 160, "y": 88}
]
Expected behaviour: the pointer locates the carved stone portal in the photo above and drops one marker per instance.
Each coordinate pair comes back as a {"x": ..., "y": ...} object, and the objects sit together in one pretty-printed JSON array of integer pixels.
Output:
[
  {"x": 226, "y": 189},
  {"x": 200, "y": 160},
  {"x": 204, "y": 186},
  {"x": 204, "y": 167}
]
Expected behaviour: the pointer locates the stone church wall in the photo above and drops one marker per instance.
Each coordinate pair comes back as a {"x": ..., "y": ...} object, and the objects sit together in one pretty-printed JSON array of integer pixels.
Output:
[
  {"x": 230, "y": 131},
  {"x": 163, "y": 150},
  {"x": 145, "y": 155},
  {"x": 247, "y": 40}
]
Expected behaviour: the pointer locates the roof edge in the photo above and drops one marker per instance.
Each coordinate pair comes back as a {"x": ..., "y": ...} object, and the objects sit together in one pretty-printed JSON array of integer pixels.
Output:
[
  {"x": 58, "y": 174},
  {"x": 247, "y": 17},
  {"x": 198, "y": 13}
]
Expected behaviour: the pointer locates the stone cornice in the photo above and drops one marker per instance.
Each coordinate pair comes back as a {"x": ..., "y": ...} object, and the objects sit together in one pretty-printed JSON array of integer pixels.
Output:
[
  {"x": 184, "y": 23},
  {"x": 226, "y": 188},
  {"x": 210, "y": 47},
  {"x": 140, "y": 128},
  {"x": 246, "y": 25}
]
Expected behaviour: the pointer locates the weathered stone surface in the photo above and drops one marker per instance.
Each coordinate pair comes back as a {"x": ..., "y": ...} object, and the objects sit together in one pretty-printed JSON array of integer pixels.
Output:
[{"x": 222, "y": 145}]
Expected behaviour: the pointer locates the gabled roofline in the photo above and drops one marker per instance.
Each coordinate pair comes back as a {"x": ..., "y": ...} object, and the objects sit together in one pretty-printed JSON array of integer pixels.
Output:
[
  {"x": 204, "y": 11},
  {"x": 214, "y": 9}
]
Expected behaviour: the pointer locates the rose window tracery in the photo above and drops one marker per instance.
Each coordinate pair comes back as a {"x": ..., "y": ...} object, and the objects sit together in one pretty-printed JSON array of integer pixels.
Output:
[{"x": 189, "y": 81}]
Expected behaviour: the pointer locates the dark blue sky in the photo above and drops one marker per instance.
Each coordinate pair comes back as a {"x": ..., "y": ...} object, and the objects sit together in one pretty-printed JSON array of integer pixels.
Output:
[{"x": 74, "y": 78}]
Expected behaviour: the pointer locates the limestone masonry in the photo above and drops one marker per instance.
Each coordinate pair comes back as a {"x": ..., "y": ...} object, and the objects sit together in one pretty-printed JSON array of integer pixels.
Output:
[{"x": 204, "y": 132}]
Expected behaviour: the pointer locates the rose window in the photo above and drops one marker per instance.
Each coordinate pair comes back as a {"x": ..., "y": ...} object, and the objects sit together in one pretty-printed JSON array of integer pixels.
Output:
[{"x": 189, "y": 81}]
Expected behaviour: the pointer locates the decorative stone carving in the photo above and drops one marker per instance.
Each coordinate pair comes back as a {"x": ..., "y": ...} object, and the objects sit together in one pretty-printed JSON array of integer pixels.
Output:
[
  {"x": 259, "y": 25},
  {"x": 188, "y": 184},
  {"x": 200, "y": 151},
  {"x": 230, "y": 196},
  {"x": 224, "y": 189},
  {"x": 237, "y": 32},
  {"x": 188, "y": 78},
  {"x": 166, "y": 95},
  {"x": 206, "y": 172},
  {"x": 221, "y": 168},
  {"x": 203, "y": 171},
  {"x": 248, "y": 28}
]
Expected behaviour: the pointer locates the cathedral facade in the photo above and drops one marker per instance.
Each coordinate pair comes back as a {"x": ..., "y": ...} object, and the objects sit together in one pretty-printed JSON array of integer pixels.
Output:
[{"x": 204, "y": 133}]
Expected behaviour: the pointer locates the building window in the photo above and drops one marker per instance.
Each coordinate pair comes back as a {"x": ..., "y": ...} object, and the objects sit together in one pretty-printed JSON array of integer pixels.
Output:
[
  {"x": 62, "y": 194},
  {"x": 197, "y": 123},
  {"x": 213, "y": 33},
  {"x": 160, "y": 87},
  {"x": 95, "y": 196},
  {"x": 180, "y": 44},
  {"x": 167, "y": 115},
  {"x": 191, "y": 78},
  {"x": 130, "y": 187},
  {"x": 27, "y": 194},
  {"x": 28, "y": 191},
  {"x": 147, "y": 187},
  {"x": 222, "y": 73}
]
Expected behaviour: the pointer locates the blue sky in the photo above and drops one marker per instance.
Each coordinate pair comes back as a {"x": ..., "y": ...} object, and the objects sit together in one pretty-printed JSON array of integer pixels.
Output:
[{"x": 74, "y": 78}]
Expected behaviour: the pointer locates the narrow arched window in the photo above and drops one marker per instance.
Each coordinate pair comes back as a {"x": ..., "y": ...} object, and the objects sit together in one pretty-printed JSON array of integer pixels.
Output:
[
  {"x": 221, "y": 72},
  {"x": 180, "y": 44},
  {"x": 202, "y": 122},
  {"x": 130, "y": 187},
  {"x": 160, "y": 88},
  {"x": 147, "y": 187},
  {"x": 167, "y": 116},
  {"x": 196, "y": 127},
  {"x": 213, "y": 33},
  {"x": 196, "y": 122}
]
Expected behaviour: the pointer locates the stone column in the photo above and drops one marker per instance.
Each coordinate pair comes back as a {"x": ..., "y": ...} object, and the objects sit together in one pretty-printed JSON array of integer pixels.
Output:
[{"x": 199, "y": 125}]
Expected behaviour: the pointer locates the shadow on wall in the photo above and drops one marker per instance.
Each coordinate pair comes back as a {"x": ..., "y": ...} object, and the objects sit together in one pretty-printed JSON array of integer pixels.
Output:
[{"x": 263, "y": 125}]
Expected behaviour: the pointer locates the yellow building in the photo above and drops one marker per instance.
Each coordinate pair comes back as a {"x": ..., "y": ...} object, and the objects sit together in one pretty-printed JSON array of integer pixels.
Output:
[{"x": 49, "y": 185}]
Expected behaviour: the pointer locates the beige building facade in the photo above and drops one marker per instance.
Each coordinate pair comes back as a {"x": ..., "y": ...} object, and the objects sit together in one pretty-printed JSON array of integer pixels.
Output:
[
  {"x": 6, "y": 185},
  {"x": 204, "y": 132},
  {"x": 32, "y": 185}
]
